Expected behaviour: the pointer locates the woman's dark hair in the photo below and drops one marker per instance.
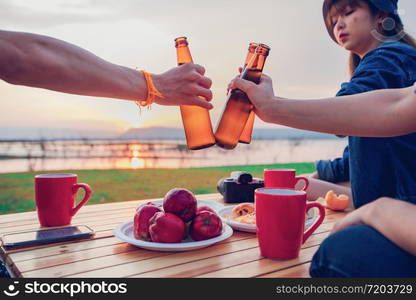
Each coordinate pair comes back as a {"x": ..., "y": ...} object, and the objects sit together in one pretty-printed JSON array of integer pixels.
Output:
[{"x": 396, "y": 31}]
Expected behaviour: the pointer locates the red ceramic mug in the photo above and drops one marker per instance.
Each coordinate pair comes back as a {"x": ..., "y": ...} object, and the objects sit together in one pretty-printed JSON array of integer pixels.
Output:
[
  {"x": 283, "y": 178},
  {"x": 55, "y": 198},
  {"x": 280, "y": 221}
]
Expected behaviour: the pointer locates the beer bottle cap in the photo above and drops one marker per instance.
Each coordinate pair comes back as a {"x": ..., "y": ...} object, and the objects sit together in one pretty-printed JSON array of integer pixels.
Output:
[
  {"x": 252, "y": 46},
  {"x": 181, "y": 41},
  {"x": 263, "y": 49}
]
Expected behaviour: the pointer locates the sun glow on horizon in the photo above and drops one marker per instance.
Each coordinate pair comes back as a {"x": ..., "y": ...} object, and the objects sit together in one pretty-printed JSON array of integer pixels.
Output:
[
  {"x": 136, "y": 153},
  {"x": 136, "y": 123},
  {"x": 137, "y": 163}
]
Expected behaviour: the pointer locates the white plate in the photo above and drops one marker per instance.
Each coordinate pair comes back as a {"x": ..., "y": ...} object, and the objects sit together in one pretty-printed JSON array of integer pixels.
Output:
[
  {"x": 212, "y": 204},
  {"x": 226, "y": 211},
  {"x": 124, "y": 232}
]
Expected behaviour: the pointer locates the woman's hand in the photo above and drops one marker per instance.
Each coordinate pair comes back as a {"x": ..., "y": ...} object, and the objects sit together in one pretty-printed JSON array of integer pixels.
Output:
[
  {"x": 390, "y": 217},
  {"x": 351, "y": 219},
  {"x": 184, "y": 85},
  {"x": 261, "y": 95},
  {"x": 360, "y": 216}
]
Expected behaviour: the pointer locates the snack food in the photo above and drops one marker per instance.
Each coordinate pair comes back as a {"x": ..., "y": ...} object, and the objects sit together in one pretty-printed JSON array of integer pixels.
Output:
[
  {"x": 246, "y": 213},
  {"x": 242, "y": 210},
  {"x": 247, "y": 219}
]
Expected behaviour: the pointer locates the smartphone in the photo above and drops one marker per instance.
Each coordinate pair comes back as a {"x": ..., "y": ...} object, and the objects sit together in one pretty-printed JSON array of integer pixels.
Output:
[{"x": 46, "y": 236}]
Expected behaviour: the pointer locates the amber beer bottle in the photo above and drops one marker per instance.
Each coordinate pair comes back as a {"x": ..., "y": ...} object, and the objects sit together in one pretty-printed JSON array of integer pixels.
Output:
[
  {"x": 238, "y": 106},
  {"x": 245, "y": 137},
  {"x": 196, "y": 120}
]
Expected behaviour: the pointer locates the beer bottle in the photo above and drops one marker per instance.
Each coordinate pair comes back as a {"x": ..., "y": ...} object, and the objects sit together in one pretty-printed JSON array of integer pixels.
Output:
[
  {"x": 245, "y": 137},
  {"x": 196, "y": 120},
  {"x": 238, "y": 106}
]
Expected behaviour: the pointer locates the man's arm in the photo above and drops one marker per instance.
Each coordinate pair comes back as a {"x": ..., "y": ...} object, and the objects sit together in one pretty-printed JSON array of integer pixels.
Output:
[{"x": 45, "y": 62}]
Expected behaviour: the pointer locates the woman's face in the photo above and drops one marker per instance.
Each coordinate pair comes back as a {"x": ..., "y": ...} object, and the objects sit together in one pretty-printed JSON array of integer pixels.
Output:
[{"x": 353, "y": 26}]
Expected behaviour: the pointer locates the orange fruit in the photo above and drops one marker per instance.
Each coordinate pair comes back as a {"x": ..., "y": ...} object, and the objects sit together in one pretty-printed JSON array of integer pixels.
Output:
[
  {"x": 330, "y": 197},
  {"x": 343, "y": 201},
  {"x": 335, "y": 202}
]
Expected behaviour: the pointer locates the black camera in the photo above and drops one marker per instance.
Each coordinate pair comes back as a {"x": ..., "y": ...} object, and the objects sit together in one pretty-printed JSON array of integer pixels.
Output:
[{"x": 239, "y": 187}]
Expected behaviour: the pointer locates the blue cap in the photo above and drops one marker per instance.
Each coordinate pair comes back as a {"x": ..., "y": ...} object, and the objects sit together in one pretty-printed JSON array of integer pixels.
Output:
[{"x": 389, "y": 6}]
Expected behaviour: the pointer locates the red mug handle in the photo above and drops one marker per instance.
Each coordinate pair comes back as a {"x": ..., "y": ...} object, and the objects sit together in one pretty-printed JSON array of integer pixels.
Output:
[
  {"x": 305, "y": 180},
  {"x": 87, "y": 196},
  {"x": 318, "y": 221}
]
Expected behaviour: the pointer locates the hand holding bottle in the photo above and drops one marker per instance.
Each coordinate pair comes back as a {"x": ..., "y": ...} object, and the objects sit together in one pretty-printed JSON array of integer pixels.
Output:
[
  {"x": 261, "y": 95},
  {"x": 183, "y": 85},
  {"x": 238, "y": 108}
]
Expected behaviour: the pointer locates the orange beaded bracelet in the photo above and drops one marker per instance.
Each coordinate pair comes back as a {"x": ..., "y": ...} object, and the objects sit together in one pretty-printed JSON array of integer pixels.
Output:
[{"x": 152, "y": 91}]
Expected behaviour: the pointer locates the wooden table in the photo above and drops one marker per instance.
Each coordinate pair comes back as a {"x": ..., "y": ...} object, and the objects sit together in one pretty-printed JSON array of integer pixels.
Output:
[{"x": 107, "y": 256}]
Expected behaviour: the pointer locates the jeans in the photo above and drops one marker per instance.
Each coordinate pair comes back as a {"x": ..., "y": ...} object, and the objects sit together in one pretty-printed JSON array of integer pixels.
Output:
[
  {"x": 361, "y": 251},
  {"x": 3, "y": 271}
]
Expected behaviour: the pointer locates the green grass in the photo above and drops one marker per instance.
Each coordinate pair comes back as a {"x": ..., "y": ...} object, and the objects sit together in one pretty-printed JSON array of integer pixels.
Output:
[{"x": 17, "y": 191}]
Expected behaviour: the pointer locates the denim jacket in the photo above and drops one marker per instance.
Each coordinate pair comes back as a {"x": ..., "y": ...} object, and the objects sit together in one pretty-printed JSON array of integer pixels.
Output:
[
  {"x": 337, "y": 170},
  {"x": 378, "y": 166}
]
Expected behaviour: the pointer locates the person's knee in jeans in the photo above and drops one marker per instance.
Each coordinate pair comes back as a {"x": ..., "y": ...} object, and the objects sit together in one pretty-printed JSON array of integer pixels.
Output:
[
  {"x": 3, "y": 270},
  {"x": 361, "y": 251}
]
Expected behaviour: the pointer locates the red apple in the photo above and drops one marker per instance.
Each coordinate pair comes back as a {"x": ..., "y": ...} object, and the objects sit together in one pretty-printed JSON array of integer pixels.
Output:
[
  {"x": 204, "y": 208},
  {"x": 166, "y": 228},
  {"x": 205, "y": 225},
  {"x": 180, "y": 202},
  {"x": 143, "y": 204},
  {"x": 141, "y": 221}
]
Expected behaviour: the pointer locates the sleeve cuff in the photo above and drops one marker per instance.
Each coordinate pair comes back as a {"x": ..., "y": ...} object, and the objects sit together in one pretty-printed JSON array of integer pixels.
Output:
[{"x": 325, "y": 171}]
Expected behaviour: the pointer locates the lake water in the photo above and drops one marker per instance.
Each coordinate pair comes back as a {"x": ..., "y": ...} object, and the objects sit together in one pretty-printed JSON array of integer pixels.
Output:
[{"x": 166, "y": 154}]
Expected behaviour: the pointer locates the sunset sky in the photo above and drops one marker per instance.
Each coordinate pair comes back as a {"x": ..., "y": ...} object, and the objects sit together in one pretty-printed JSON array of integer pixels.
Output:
[{"x": 304, "y": 62}]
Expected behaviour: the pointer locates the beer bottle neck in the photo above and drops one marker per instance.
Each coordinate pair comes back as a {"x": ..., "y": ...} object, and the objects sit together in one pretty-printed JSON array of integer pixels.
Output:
[
  {"x": 258, "y": 59},
  {"x": 183, "y": 55},
  {"x": 256, "y": 62},
  {"x": 248, "y": 58},
  {"x": 250, "y": 53}
]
